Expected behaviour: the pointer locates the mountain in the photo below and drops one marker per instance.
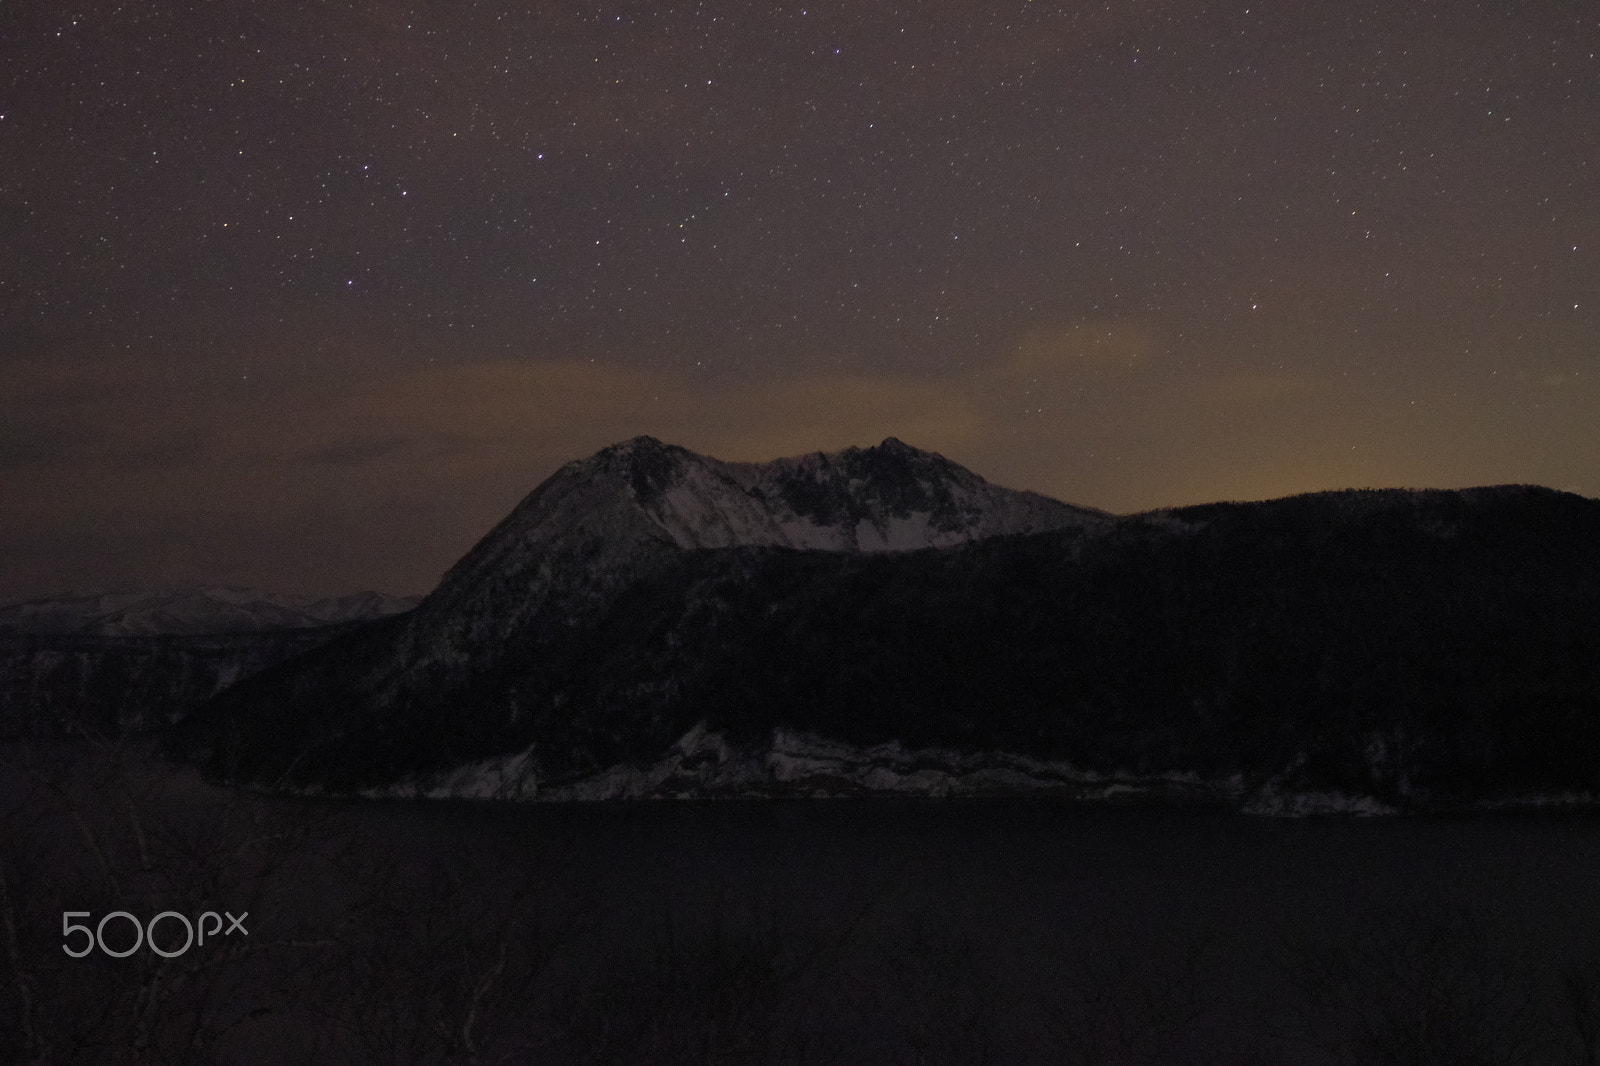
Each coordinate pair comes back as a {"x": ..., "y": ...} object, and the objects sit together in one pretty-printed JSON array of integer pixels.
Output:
[
  {"x": 599, "y": 524},
  {"x": 653, "y": 623},
  {"x": 190, "y": 609},
  {"x": 554, "y": 568}
]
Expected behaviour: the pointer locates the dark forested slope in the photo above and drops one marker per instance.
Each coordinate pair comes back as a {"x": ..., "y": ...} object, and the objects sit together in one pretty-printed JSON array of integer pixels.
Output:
[{"x": 1423, "y": 648}]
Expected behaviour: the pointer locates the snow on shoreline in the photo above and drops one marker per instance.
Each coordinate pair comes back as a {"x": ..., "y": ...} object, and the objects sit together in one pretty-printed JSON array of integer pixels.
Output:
[{"x": 704, "y": 765}]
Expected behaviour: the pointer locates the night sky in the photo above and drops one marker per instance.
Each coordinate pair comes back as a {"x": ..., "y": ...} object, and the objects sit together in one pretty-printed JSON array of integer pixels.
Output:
[{"x": 306, "y": 295}]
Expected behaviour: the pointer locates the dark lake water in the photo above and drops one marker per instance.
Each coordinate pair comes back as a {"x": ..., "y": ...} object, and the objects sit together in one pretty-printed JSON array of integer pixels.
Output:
[
  {"x": 1037, "y": 911},
  {"x": 850, "y": 931}
]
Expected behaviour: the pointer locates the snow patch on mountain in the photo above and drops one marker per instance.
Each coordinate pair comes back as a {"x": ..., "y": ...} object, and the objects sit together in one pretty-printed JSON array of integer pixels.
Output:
[{"x": 508, "y": 777}]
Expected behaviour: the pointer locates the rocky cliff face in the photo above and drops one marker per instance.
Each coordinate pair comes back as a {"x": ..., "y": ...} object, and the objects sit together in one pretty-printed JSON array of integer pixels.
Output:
[{"x": 889, "y": 498}]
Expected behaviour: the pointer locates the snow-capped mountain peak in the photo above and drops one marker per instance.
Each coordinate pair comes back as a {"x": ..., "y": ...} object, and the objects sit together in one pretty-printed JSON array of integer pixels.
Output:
[
  {"x": 891, "y": 497},
  {"x": 597, "y": 525},
  {"x": 594, "y": 516}
]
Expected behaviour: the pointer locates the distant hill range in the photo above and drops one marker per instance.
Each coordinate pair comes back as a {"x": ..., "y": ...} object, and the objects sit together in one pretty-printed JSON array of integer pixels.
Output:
[
  {"x": 191, "y": 609},
  {"x": 651, "y": 622},
  {"x": 128, "y": 660}
]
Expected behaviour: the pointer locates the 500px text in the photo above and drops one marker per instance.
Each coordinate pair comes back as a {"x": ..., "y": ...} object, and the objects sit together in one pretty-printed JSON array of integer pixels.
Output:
[{"x": 145, "y": 933}]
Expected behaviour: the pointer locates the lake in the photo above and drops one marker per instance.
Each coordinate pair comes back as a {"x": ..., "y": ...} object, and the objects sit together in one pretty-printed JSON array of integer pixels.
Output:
[
  {"x": 1012, "y": 920},
  {"x": 846, "y": 931}
]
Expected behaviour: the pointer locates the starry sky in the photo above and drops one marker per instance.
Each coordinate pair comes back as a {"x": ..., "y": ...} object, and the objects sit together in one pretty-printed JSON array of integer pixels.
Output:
[{"x": 305, "y": 295}]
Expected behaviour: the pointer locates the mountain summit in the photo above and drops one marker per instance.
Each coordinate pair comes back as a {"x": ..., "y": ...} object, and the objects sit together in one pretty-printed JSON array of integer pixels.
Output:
[
  {"x": 891, "y": 497},
  {"x": 886, "y": 498}
]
